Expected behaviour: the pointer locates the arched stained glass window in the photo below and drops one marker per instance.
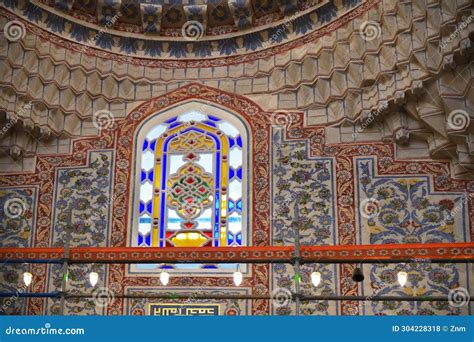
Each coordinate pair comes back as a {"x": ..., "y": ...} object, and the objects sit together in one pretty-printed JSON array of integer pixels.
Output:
[{"x": 193, "y": 180}]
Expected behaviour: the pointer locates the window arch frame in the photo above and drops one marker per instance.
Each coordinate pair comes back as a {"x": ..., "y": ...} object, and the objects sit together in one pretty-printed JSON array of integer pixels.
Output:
[{"x": 176, "y": 110}]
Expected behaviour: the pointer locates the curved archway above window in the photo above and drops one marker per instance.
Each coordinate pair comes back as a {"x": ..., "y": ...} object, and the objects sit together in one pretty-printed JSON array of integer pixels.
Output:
[{"x": 191, "y": 178}]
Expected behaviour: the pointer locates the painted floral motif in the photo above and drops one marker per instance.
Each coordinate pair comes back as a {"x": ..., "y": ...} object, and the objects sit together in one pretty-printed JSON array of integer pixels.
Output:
[
  {"x": 11, "y": 282},
  {"x": 284, "y": 278},
  {"x": 17, "y": 207},
  {"x": 77, "y": 282},
  {"x": 424, "y": 279},
  {"x": 83, "y": 201},
  {"x": 406, "y": 210},
  {"x": 308, "y": 183}
]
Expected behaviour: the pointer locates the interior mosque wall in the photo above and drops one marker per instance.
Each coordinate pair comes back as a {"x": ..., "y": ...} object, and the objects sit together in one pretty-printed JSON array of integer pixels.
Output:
[{"x": 348, "y": 120}]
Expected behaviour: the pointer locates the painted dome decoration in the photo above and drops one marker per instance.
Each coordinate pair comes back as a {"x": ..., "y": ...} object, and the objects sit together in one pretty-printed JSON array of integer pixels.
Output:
[{"x": 178, "y": 29}]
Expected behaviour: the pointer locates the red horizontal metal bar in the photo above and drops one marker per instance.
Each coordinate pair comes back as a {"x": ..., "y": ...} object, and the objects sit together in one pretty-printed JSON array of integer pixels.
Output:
[{"x": 435, "y": 252}]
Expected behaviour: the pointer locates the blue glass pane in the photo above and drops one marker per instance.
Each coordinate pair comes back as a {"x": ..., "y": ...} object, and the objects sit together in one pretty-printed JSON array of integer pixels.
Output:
[
  {"x": 152, "y": 145},
  {"x": 239, "y": 204},
  {"x": 163, "y": 173},
  {"x": 144, "y": 219},
  {"x": 239, "y": 173},
  {"x": 149, "y": 206},
  {"x": 166, "y": 267},
  {"x": 140, "y": 239},
  {"x": 231, "y": 173},
  {"x": 209, "y": 123},
  {"x": 231, "y": 205},
  {"x": 142, "y": 176},
  {"x": 231, "y": 142},
  {"x": 213, "y": 118},
  {"x": 230, "y": 238},
  {"x": 150, "y": 175},
  {"x": 172, "y": 120},
  {"x": 173, "y": 125},
  {"x": 216, "y": 220},
  {"x": 239, "y": 141},
  {"x": 209, "y": 267},
  {"x": 218, "y": 169},
  {"x": 239, "y": 238},
  {"x": 148, "y": 240},
  {"x": 145, "y": 145},
  {"x": 142, "y": 207}
]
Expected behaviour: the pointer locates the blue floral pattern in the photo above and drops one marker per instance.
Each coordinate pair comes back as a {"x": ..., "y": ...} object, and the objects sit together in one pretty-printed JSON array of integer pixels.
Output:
[
  {"x": 17, "y": 227},
  {"x": 83, "y": 201},
  {"x": 308, "y": 182},
  {"x": 406, "y": 210}
]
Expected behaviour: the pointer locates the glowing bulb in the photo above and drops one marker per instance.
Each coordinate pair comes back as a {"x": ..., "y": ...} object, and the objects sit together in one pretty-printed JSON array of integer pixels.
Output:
[
  {"x": 316, "y": 278},
  {"x": 27, "y": 278},
  {"x": 164, "y": 278},
  {"x": 238, "y": 278},
  {"x": 402, "y": 278},
  {"x": 93, "y": 278}
]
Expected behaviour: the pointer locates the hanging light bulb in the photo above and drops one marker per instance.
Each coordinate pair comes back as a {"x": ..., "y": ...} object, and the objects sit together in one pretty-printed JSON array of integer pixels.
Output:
[
  {"x": 238, "y": 276},
  {"x": 358, "y": 275},
  {"x": 93, "y": 278},
  {"x": 316, "y": 278},
  {"x": 27, "y": 278},
  {"x": 164, "y": 278},
  {"x": 402, "y": 278}
]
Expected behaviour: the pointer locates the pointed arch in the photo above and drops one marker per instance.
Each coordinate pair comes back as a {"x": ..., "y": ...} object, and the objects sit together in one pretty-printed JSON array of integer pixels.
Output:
[{"x": 191, "y": 178}]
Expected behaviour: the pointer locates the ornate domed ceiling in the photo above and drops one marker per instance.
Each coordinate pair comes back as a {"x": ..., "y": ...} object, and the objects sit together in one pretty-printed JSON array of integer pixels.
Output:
[{"x": 184, "y": 29}]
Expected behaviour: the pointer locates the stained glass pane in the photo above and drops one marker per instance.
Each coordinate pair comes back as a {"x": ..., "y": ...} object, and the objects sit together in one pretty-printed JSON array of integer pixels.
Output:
[
  {"x": 235, "y": 157},
  {"x": 235, "y": 190},
  {"x": 228, "y": 129},
  {"x": 191, "y": 184},
  {"x": 176, "y": 161},
  {"x": 148, "y": 161},
  {"x": 144, "y": 227},
  {"x": 192, "y": 116},
  {"x": 146, "y": 192},
  {"x": 156, "y": 132},
  {"x": 205, "y": 220},
  {"x": 174, "y": 221},
  {"x": 235, "y": 223},
  {"x": 206, "y": 160}
]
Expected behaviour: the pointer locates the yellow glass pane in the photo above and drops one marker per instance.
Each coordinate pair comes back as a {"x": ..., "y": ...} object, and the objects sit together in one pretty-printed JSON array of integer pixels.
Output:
[{"x": 189, "y": 239}]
